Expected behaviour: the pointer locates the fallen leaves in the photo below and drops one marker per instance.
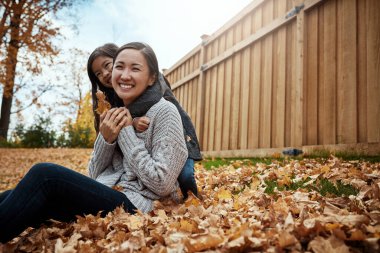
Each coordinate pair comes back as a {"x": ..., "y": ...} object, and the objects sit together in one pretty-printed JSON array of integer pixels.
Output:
[{"x": 233, "y": 214}]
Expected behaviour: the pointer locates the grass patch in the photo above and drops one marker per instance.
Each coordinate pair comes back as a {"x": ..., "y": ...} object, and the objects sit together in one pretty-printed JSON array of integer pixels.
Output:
[
  {"x": 212, "y": 163},
  {"x": 339, "y": 189},
  {"x": 323, "y": 186},
  {"x": 271, "y": 185}
]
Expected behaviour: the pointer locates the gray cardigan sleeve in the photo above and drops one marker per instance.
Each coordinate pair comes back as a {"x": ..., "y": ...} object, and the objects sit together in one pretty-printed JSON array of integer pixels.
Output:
[
  {"x": 101, "y": 156},
  {"x": 159, "y": 169}
]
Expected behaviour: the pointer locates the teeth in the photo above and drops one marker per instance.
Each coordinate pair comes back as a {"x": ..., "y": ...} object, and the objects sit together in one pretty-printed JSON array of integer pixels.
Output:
[{"x": 125, "y": 86}]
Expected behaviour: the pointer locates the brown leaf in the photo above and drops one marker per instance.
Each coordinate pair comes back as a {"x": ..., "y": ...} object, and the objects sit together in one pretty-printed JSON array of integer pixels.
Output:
[{"x": 103, "y": 104}]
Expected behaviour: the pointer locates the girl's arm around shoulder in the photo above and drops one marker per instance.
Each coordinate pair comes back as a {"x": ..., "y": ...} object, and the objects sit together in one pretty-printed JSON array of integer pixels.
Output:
[
  {"x": 101, "y": 156},
  {"x": 158, "y": 168}
]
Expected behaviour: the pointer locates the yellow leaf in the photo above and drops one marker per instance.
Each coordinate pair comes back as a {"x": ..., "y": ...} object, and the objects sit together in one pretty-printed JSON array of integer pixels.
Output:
[{"x": 224, "y": 195}]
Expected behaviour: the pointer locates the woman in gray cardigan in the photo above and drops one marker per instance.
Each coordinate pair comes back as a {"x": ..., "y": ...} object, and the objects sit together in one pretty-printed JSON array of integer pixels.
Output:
[{"x": 145, "y": 166}]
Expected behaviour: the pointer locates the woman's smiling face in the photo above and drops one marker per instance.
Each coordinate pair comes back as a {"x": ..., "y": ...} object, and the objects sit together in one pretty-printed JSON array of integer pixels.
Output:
[{"x": 131, "y": 75}]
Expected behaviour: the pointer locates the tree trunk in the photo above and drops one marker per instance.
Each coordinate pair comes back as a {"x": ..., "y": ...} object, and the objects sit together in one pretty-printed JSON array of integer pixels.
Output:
[
  {"x": 6, "y": 105},
  {"x": 10, "y": 74}
]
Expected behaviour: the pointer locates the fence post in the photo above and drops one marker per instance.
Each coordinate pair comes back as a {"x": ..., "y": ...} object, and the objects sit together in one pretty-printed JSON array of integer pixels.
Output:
[
  {"x": 297, "y": 92},
  {"x": 202, "y": 90}
]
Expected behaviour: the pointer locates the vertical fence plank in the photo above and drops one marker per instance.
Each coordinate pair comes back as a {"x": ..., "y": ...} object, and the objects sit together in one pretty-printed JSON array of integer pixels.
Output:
[
  {"x": 245, "y": 83},
  {"x": 235, "y": 91},
  {"x": 311, "y": 79},
  {"x": 219, "y": 97},
  {"x": 206, "y": 117},
  {"x": 373, "y": 70},
  {"x": 279, "y": 77},
  {"x": 321, "y": 74},
  {"x": 329, "y": 70},
  {"x": 254, "y": 117},
  {"x": 362, "y": 72},
  {"x": 297, "y": 126},
  {"x": 267, "y": 60},
  {"x": 213, "y": 91},
  {"x": 290, "y": 82},
  {"x": 346, "y": 79},
  {"x": 227, "y": 94},
  {"x": 207, "y": 112}
]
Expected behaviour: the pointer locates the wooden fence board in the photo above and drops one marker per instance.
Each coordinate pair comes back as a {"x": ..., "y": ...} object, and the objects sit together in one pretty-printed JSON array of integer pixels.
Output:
[
  {"x": 279, "y": 80},
  {"x": 297, "y": 130},
  {"x": 254, "y": 126},
  {"x": 346, "y": 79},
  {"x": 373, "y": 70},
  {"x": 267, "y": 80},
  {"x": 219, "y": 98},
  {"x": 362, "y": 72},
  {"x": 244, "y": 92},
  {"x": 311, "y": 80},
  {"x": 227, "y": 95},
  {"x": 321, "y": 74},
  {"x": 290, "y": 82},
  {"x": 329, "y": 65},
  {"x": 235, "y": 91}
]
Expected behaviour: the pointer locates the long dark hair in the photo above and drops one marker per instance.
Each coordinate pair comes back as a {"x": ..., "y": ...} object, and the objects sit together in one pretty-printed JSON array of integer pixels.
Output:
[
  {"x": 148, "y": 54},
  {"x": 107, "y": 50}
]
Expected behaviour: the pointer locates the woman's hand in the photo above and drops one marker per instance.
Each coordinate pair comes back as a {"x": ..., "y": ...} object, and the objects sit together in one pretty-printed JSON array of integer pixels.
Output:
[
  {"x": 141, "y": 123},
  {"x": 113, "y": 121}
]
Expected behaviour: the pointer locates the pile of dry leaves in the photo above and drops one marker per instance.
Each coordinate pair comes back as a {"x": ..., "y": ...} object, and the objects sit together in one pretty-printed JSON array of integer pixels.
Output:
[{"x": 237, "y": 213}]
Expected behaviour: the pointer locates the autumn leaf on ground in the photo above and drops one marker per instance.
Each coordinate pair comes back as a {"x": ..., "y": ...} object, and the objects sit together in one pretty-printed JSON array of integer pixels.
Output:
[{"x": 240, "y": 207}]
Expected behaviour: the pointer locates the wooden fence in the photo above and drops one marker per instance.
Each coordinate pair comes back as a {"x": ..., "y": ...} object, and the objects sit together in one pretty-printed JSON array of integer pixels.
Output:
[{"x": 285, "y": 73}]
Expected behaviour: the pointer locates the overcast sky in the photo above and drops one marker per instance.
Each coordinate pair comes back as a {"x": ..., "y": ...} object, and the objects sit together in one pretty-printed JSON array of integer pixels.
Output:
[{"x": 171, "y": 27}]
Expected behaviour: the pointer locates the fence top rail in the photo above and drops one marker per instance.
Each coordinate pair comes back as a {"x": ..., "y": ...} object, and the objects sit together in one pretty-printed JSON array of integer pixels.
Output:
[
  {"x": 182, "y": 60},
  {"x": 246, "y": 10}
]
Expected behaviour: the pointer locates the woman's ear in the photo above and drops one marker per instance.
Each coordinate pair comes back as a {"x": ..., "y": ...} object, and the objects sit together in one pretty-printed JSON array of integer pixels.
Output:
[{"x": 152, "y": 80}]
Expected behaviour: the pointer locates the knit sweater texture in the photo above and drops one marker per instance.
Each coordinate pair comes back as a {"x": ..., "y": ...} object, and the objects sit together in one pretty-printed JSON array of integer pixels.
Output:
[{"x": 147, "y": 164}]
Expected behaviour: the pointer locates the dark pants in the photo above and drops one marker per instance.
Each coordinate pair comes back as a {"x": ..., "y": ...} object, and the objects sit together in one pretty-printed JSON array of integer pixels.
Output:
[
  {"x": 50, "y": 191},
  {"x": 186, "y": 179}
]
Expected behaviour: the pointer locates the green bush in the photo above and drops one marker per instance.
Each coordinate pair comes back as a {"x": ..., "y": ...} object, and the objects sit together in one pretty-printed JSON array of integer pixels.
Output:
[
  {"x": 38, "y": 135},
  {"x": 76, "y": 137}
]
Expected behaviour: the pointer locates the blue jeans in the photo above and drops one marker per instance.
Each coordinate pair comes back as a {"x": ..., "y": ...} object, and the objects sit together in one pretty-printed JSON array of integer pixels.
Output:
[
  {"x": 50, "y": 191},
  {"x": 186, "y": 179}
]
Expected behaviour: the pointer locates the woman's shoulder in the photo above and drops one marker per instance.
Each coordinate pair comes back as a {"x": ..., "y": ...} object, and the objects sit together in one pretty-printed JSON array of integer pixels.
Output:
[{"x": 163, "y": 106}]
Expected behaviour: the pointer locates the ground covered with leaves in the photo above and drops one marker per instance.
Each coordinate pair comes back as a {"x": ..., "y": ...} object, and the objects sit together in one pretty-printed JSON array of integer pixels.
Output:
[{"x": 274, "y": 205}]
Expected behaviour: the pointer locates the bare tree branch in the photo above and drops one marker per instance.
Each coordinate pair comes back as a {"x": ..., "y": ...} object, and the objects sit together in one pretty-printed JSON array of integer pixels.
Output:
[{"x": 33, "y": 100}]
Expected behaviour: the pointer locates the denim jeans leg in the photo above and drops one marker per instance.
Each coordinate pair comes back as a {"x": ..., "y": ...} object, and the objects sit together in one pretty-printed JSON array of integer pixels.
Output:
[
  {"x": 4, "y": 194},
  {"x": 186, "y": 179},
  {"x": 49, "y": 186}
]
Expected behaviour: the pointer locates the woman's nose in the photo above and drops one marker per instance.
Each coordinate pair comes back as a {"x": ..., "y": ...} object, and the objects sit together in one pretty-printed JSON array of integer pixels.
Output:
[{"x": 125, "y": 75}]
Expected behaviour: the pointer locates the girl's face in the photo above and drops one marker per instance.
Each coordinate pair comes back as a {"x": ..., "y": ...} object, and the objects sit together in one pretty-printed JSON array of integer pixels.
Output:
[
  {"x": 131, "y": 75},
  {"x": 102, "y": 69}
]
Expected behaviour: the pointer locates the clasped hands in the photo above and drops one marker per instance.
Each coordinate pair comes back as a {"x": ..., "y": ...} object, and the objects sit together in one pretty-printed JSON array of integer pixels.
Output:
[{"x": 112, "y": 121}]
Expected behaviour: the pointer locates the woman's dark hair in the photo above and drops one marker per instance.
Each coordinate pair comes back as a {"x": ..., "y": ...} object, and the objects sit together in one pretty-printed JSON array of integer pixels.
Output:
[
  {"x": 148, "y": 54},
  {"x": 107, "y": 50}
]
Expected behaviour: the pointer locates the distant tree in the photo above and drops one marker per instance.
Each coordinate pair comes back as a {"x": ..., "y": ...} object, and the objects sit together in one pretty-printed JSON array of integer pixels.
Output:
[
  {"x": 80, "y": 133},
  {"x": 27, "y": 31},
  {"x": 72, "y": 84},
  {"x": 39, "y": 135}
]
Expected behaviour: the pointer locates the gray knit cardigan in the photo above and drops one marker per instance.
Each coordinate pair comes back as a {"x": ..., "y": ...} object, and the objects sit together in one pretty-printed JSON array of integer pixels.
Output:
[{"x": 149, "y": 162}]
